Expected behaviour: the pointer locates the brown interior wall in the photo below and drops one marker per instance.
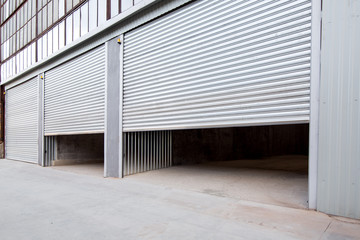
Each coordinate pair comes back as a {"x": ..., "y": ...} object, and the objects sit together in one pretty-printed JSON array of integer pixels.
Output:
[
  {"x": 2, "y": 122},
  {"x": 201, "y": 145},
  {"x": 74, "y": 149}
]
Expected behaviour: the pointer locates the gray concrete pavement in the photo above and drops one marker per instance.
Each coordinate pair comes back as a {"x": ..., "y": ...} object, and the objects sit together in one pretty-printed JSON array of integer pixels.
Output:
[
  {"x": 250, "y": 180},
  {"x": 45, "y": 203}
]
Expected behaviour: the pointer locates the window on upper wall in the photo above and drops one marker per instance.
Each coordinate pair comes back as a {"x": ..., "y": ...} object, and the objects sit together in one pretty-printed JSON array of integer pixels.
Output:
[
  {"x": 93, "y": 14},
  {"x": 32, "y": 30},
  {"x": 101, "y": 11},
  {"x": 16, "y": 26},
  {"x": 76, "y": 24},
  {"x": 114, "y": 8},
  {"x": 84, "y": 19},
  {"x": 69, "y": 29},
  {"x": 126, "y": 4}
]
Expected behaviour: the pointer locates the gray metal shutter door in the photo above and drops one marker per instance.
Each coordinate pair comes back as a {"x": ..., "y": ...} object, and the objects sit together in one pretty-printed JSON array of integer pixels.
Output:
[
  {"x": 219, "y": 63},
  {"x": 21, "y": 119},
  {"x": 75, "y": 95}
]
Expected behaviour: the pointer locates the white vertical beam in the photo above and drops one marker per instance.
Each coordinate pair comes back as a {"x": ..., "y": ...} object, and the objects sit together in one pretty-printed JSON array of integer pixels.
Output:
[
  {"x": 121, "y": 56},
  {"x": 106, "y": 128},
  {"x": 41, "y": 159},
  {"x": 112, "y": 138},
  {"x": 314, "y": 101}
]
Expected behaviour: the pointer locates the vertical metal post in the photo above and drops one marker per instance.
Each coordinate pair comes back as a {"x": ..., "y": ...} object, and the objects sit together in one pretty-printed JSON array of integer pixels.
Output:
[
  {"x": 55, "y": 148},
  {"x": 136, "y": 156},
  {"x": 41, "y": 150},
  {"x": 314, "y": 102},
  {"x": 113, "y": 137},
  {"x": 124, "y": 157},
  {"x": 128, "y": 153},
  {"x": 160, "y": 149},
  {"x": 163, "y": 149},
  {"x": 149, "y": 151},
  {"x": 157, "y": 150},
  {"x": 142, "y": 151},
  {"x": 170, "y": 146},
  {"x": 121, "y": 91},
  {"x": 151, "y": 159}
]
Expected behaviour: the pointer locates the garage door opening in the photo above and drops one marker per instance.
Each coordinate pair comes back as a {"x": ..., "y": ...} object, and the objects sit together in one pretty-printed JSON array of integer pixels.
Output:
[
  {"x": 267, "y": 164},
  {"x": 76, "y": 153}
]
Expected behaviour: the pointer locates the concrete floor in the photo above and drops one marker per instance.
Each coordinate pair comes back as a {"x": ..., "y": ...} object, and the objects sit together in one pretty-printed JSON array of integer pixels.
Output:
[
  {"x": 47, "y": 203},
  {"x": 278, "y": 181}
]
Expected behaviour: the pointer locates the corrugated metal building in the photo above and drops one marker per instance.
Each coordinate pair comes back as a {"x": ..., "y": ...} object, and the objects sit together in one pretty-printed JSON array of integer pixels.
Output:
[{"x": 127, "y": 75}]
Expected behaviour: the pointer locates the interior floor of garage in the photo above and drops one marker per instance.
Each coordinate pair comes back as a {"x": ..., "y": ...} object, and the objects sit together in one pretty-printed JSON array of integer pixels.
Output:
[
  {"x": 277, "y": 180},
  {"x": 94, "y": 169}
]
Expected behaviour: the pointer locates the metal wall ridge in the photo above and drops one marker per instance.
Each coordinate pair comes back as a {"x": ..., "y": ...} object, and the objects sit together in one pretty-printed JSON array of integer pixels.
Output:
[
  {"x": 75, "y": 101},
  {"x": 21, "y": 122},
  {"x": 199, "y": 65}
]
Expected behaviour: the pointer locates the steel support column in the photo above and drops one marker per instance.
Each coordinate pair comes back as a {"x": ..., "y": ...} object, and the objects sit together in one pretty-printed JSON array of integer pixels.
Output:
[
  {"x": 41, "y": 159},
  {"x": 113, "y": 110},
  {"x": 314, "y": 102}
]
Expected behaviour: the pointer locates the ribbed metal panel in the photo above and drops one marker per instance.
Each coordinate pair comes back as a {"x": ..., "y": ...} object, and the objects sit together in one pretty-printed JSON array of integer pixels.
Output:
[
  {"x": 21, "y": 119},
  {"x": 75, "y": 95},
  {"x": 219, "y": 63},
  {"x": 50, "y": 150},
  {"x": 145, "y": 151},
  {"x": 339, "y": 126}
]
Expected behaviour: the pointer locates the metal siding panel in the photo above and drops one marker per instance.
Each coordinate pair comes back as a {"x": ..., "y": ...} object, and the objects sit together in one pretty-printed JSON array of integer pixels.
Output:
[
  {"x": 146, "y": 151},
  {"x": 21, "y": 119},
  {"x": 219, "y": 63},
  {"x": 339, "y": 128},
  {"x": 75, "y": 95}
]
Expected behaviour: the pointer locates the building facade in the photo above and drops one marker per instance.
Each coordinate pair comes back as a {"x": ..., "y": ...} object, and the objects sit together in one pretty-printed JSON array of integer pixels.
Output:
[{"x": 130, "y": 74}]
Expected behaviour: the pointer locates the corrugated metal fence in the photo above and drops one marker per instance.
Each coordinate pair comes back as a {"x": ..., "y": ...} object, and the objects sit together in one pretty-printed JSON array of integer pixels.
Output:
[
  {"x": 145, "y": 151},
  {"x": 50, "y": 150}
]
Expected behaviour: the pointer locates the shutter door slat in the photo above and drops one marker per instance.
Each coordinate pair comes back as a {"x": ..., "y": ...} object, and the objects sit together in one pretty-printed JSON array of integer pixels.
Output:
[
  {"x": 21, "y": 119},
  {"x": 75, "y": 95},
  {"x": 219, "y": 64}
]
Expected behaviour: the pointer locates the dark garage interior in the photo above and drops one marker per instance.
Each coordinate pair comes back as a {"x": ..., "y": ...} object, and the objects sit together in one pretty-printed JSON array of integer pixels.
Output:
[
  {"x": 80, "y": 153},
  {"x": 224, "y": 144}
]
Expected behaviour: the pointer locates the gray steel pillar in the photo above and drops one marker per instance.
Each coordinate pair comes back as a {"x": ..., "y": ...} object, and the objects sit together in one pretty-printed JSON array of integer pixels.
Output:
[
  {"x": 314, "y": 103},
  {"x": 41, "y": 161},
  {"x": 113, "y": 109}
]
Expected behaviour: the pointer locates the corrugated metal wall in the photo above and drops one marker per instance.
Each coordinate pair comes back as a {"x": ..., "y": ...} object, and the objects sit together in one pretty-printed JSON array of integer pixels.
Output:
[
  {"x": 339, "y": 128},
  {"x": 50, "y": 150},
  {"x": 219, "y": 63},
  {"x": 21, "y": 119},
  {"x": 145, "y": 151},
  {"x": 75, "y": 95}
]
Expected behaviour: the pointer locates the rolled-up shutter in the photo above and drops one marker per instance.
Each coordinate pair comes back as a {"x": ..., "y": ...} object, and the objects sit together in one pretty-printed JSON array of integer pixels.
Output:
[
  {"x": 21, "y": 122},
  {"x": 75, "y": 95},
  {"x": 219, "y": 63}
]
